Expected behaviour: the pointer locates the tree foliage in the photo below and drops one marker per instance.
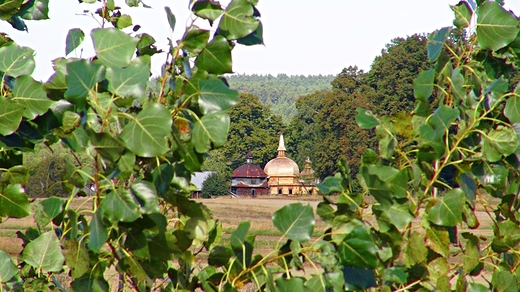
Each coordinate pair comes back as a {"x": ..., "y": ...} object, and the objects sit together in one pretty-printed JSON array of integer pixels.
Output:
[
  {"x": 215, "y": 185},
  {"x": 253, "y": 127},
  {"x": 280, "y": 92},
  {"x": 145, "y": 144}
]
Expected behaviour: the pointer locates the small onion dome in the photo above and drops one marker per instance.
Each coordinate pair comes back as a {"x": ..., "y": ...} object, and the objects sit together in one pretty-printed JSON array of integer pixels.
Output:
[
  {"x": 249, "y": 169},
  {"x": 281, "y": 165},
  {"x": 307, "y": 171}
]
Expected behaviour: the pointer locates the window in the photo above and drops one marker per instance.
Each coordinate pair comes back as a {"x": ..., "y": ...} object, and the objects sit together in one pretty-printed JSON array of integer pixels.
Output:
[
  {"x": 290, "y": 191},
  {"x": 279, "y": 191}
]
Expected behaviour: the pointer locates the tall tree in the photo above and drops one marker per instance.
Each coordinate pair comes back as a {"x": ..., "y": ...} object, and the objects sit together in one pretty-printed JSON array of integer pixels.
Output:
[
  {"x": 391, "y": 75},
  {"x": 253, "y": 127},
  {"x": 325, "y": 129}
]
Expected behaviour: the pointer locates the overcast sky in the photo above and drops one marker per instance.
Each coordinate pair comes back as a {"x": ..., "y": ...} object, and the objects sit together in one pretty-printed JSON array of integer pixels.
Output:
[{"x": 301, "y": 37}]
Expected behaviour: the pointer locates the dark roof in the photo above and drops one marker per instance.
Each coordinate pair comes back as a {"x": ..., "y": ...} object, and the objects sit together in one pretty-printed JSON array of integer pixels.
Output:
[{"x": 249, "y": 170}]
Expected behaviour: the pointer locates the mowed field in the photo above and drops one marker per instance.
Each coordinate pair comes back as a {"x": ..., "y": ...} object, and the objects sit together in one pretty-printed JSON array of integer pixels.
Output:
[{"x": 229, "y": 212}]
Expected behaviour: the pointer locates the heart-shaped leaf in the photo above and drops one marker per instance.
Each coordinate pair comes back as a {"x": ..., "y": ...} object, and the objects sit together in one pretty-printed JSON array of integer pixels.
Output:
[
  {"x": 436, "y": 43},
  {"x": 81, "y": 78},
  {"x": 448, "y": 210},
  {"x": 129, "y": 81},
  {"x": 496, "y": 28},
  {"x": 423, "y": 85},
  {"x": 216, "y": 57},
  {"x": 44, "y": 253},
  {"x": 212, "y": 128},
  {"x": 8, "y": 268},
  {"x": 463, "y": 13},
  {"x": 295, "y": 221},
  {"x": 16, "y": 60},
  {"x": 238, "y": 20},
  {"x": 14, "y": 202},
  {"x": 216, "y": 96},
  {"x": 31, "y": 96},
  {"x": 34, "y": 10},
  {"x": 147, "y": 134},
  {"x": 10, "y": 116},
  {"x": 120, "y": 206},
  {"x": 366, "y": 119},
  {"x": 113, "y": 47},
  {"x": 74, "y": 38},
  {"x": 499, "y": 142}
]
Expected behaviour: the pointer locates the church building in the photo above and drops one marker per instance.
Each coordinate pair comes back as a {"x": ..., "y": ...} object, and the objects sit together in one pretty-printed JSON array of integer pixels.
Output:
[
  {"x": 249, "y": 179},
  {"x": 284, "y": 177}
]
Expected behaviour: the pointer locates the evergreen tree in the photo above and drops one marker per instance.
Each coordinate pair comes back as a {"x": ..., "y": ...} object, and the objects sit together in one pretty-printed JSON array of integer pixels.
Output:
[{"x": 214, "y": 185}]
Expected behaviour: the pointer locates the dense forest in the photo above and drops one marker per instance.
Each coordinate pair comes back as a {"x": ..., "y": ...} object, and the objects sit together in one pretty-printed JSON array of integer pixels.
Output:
[
  {"x": 280, "y": 92},
  {"x": 317, "y": 113}
]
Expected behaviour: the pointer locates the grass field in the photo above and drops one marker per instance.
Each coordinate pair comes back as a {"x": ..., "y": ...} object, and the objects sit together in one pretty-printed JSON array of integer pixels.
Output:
[{"x": 229, "y": 212}]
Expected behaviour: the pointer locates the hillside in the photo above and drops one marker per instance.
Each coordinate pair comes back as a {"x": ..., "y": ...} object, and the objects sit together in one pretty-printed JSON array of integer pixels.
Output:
[{"x": 280, "y": 92}]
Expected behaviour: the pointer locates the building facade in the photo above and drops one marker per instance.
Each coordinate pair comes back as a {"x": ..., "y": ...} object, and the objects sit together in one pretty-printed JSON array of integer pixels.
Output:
[
  {"x": 249, "y": 180},
  {"x": 284, "y": 177}
]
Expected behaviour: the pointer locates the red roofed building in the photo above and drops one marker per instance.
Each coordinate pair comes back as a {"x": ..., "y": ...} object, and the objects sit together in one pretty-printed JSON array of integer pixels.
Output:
[{"x": 249, "y": 179}]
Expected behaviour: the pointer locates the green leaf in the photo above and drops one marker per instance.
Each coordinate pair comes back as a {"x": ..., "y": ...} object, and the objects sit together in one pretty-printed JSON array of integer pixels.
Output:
[
  {"x": 207, "y": 9},
  {"x": 31, "y": 96},
  {"x": 358, "y": 279},
  {"x": 292, "y": 284},
  {"x": 16, "y": 60},
  {"x": 366, "y": 119},
  {"x": 74, "y": 38},
  {"x": 195, "y": 39},
  {"x": 211, "y": 129},
  {"x": 215, "y": 58},
  {"x": 14, "y": 202},
  {"x": 357, "y": 248},
  {"x": 254, "y": 38},
  {"x": 512, "y": 109},
  {"x": 457, "y": 80},
  {"x": 448, "y": 210},
  {"x": 47, "y": 210},
  {"x": 81, "y": 78},
  {"x": 496, "y": 28},
  {"x": 239, "y": 235},
  {"x": 499, "y": 142},
  {"x": 416, "y": 249},
  {"x": 8, "y": 8},
  {"x": 76, "y": 258},
  {"x": 295, "y": 221},
  {"x": 147, "y": 135},
  {"x": 130, "y": 81},
  {"x": 98, "y": 232},
  {"x": 146, "y": 196},
  {"x": 463, "y": 13},
  {"x": 471, "y": 256},
  {"x": 35, "y": 10},
  {"x": 89, "y": 283},
  {"x": 219, "y": 256},
  {"x": 216, "y": 96},
  {"x": 423, "y": 85},
  {"x": 171, "y": 17},
  {"x": 108, "y": 147},
  {"x": 44, "y": 253},
  {"x": 331, "y": 184},
  {"x": 504, "y": 281},
  {"x": 123, "y": 21},
  {"x": 10, "y": 116},
  {"x": 436, "y": 42},
  {"x": 395, "y": 275},
  {"x": 8, "y": 268},
  {"x": 442, "y": 118},
  {"x": 238, "y": 20},
  {"x": 120, "y": 206},
  {"x": 113, "y": 47},
  {"x": 438, "y": 240}
]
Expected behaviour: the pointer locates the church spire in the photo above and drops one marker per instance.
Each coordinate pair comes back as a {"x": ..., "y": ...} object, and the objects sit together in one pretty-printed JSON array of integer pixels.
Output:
[{"x": 281, "y": 147}]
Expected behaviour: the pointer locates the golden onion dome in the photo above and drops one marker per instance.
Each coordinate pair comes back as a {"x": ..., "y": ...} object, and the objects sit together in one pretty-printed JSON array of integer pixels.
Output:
[{"x": 281, "y": 165}]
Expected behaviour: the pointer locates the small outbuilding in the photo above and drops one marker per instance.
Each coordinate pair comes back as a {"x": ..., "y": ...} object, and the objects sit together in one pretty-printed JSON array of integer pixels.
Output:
[{"x": 249, "y": 179}]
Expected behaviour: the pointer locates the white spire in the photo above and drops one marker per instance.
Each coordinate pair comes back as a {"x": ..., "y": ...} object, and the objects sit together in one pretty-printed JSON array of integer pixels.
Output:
[{"x": 281, "y": 147}]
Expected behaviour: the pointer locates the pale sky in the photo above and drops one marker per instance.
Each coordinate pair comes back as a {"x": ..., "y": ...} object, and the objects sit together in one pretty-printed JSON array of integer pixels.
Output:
[{"x": 301, "y": 37}]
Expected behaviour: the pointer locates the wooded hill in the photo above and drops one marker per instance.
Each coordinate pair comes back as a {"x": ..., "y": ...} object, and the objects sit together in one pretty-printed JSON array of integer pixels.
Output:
[{"x": 280, "y": 92}]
